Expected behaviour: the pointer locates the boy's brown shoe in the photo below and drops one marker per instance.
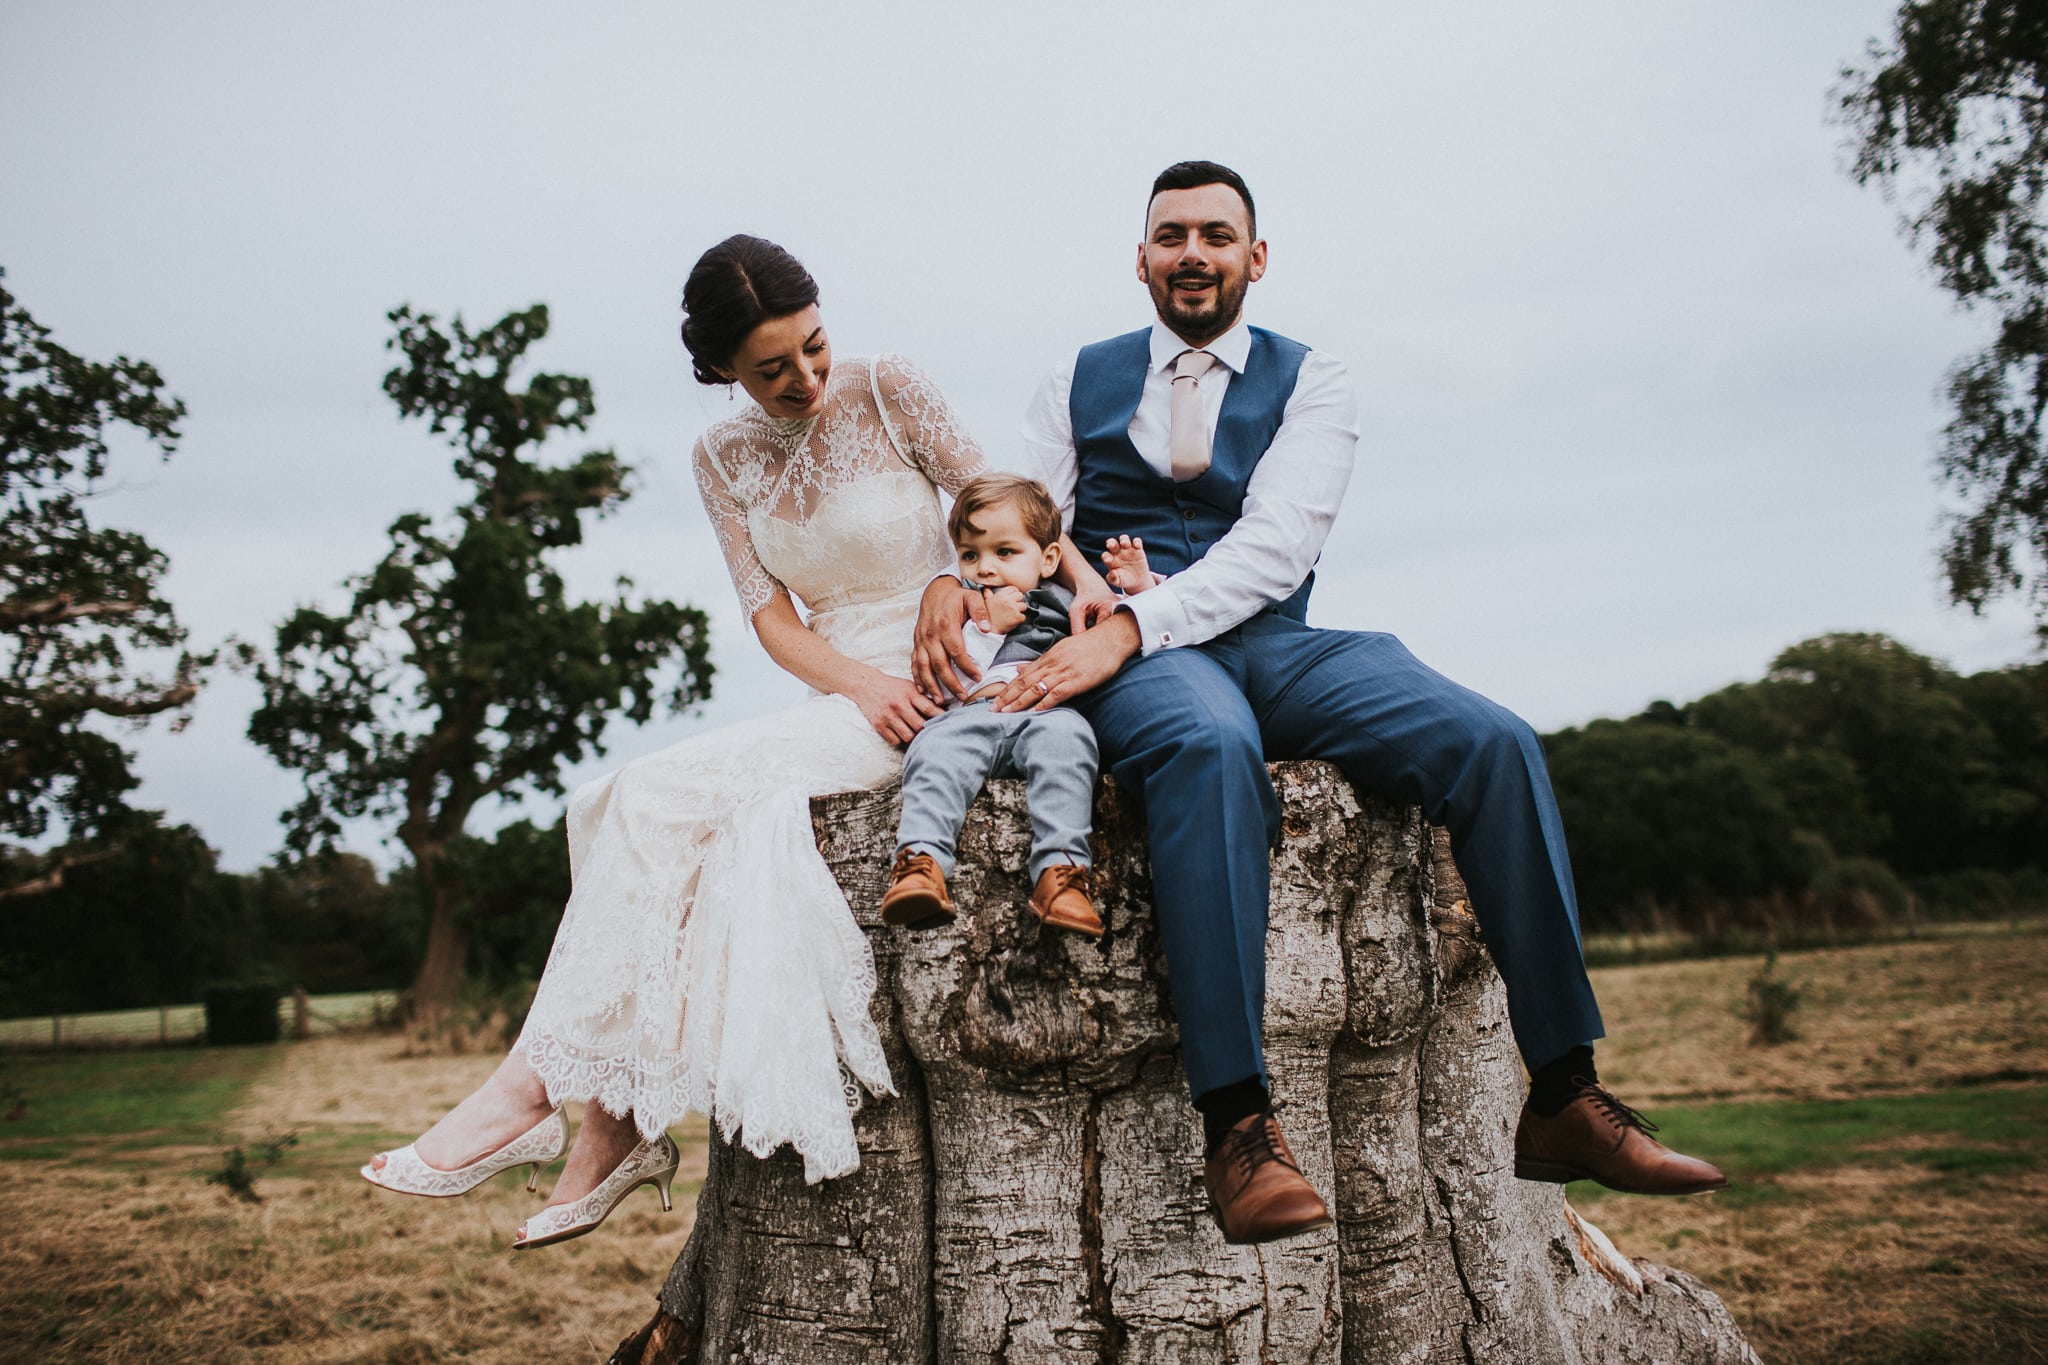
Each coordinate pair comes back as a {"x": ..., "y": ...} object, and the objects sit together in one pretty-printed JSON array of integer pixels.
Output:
[
  {"x": 1062, "y": 900},
  {"x": 1256, "y": 1191},
  {"x": 1597, "y": 1137},
  {"x": 916, "y": 898}
]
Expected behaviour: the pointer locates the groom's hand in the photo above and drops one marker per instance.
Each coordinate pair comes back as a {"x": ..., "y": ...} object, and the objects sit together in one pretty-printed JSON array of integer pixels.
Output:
[
  {"x": 1073, "y": 666},
  {"x": 936, "y": 647}
]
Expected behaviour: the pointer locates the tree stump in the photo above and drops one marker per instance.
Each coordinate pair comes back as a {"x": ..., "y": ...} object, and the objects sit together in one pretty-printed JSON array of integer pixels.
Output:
[{"x": 1034, "y": 1192}]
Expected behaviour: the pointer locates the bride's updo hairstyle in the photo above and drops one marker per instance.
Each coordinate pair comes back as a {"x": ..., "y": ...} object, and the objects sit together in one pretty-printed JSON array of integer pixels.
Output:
[{"x": 734, "y": 288}]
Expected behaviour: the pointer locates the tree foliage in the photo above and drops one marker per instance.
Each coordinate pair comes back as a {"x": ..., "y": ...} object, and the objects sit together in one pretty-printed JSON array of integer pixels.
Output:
[
  {"x": 1951, "y": 119},
  {"x": 151, "y": 921},
  {"x": 329, "y": 923},
  {"x": 459, "y": 671},
  {"x": 1670, "y": 817},
  {"x": 78, "y": 602},
  {"x": 166, "y": 923},
  {"x": 1852, "y": 763}
]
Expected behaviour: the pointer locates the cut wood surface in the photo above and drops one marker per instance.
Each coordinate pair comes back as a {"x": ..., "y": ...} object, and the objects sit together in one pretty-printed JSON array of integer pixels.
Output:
[{"x": 1034, "y": 1192}]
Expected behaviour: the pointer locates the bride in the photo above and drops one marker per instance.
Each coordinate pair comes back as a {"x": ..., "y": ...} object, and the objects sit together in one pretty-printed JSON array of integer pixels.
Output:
[{"x": 706, "y": 959}]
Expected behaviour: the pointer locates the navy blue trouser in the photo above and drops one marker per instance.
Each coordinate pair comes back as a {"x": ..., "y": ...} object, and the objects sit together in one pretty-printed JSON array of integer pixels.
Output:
[{"x": 1191, "y": 729}]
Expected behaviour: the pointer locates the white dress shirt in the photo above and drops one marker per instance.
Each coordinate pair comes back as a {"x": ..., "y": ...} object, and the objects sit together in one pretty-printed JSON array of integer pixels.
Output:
[
  {"x": 1290, "y": 500},
  {"x": 983, "y": 645}
]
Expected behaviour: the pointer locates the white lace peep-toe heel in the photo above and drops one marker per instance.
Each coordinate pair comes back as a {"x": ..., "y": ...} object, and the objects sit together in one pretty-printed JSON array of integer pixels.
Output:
[
  {"x": 649, "y": 1163},
  {"x": 405, "y": 1173}
]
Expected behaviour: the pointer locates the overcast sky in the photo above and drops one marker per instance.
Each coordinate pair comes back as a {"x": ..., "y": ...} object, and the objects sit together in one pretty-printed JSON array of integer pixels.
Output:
[{"x": 1649, "y": 386}]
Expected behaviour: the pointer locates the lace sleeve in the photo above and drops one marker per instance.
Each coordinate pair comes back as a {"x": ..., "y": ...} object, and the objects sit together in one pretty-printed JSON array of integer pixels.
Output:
[
  {"x": 755, "y": 585},
  {"x": 926, "y": 431}
]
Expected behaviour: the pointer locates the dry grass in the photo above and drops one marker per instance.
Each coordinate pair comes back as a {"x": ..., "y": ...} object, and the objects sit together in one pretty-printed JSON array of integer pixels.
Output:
[
  {"x": 1909, "y": 1249},
  {"x": 1863, "y": 1263},
  {"x": 143, "y": 1262},
  {"x": 1887, "y": 1018},
  {"x": 1870, "y": 1252}
]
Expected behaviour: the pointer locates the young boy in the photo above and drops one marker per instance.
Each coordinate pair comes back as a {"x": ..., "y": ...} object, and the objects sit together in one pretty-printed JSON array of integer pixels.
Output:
[{"x": 1006, "y": 530}]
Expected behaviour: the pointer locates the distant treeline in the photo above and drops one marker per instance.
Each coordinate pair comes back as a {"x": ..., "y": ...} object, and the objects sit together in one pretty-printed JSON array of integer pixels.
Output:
[
  {"x": 1856, "y": 782},
  {"x": 158, "y": 922}
]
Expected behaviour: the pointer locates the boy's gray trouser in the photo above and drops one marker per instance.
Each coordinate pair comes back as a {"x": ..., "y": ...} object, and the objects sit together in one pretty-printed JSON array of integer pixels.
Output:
[{"x": 1053, "y": 751}]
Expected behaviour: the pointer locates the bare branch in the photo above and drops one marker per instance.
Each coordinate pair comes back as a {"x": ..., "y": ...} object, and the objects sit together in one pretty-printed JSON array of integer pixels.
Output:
[
  {"x": 55, "y": 611},
  {"x": 77, "y": 703},
  {"x": 52, "y": 879}
]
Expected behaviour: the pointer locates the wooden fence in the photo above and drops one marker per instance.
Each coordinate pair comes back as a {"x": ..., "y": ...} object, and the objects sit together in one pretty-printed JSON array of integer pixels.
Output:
[{"x": 299, "y": 1015}]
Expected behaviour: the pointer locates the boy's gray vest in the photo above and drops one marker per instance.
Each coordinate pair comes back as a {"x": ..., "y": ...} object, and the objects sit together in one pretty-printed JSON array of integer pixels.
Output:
[{"x": 1117, "y": 493}]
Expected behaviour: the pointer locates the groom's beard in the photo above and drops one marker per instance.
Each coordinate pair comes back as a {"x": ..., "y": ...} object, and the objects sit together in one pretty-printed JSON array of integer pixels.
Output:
[{"x": 1207, "y": 320}]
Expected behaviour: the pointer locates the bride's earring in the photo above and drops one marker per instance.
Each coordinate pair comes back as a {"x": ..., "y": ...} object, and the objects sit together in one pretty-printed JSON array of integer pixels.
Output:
[{"x": 728, "y": 392}]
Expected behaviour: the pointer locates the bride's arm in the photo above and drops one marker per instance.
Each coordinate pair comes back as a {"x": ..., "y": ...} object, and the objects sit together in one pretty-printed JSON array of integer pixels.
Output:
[{"x": 893, "y": 706}]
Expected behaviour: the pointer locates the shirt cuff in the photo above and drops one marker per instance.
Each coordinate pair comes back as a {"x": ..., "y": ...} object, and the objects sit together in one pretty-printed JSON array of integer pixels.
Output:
[{"x": 1162, "y": 621}]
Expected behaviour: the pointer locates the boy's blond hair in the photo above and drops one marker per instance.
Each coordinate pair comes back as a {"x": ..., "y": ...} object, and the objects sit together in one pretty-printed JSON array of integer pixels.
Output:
[{"x": 1035, "y": 507}]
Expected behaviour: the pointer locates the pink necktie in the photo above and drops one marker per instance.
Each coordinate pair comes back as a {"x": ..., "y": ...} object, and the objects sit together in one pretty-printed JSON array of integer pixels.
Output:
[{"x": 1187, "y": 422}]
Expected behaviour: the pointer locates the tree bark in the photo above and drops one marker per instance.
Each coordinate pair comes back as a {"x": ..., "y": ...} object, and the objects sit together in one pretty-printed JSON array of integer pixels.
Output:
[
  {"x": 446, "y": 959},
  {"x": 1034, "y": 1193}
]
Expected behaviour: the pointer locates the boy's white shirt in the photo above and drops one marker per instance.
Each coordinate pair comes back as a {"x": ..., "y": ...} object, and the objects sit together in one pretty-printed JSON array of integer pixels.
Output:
[{"x": 982, "y": 645}]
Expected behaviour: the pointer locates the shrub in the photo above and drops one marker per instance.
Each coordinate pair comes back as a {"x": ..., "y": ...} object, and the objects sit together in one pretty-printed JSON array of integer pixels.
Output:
[
  {"x": 1859, "y": 894},
  {"x": 244, "y": 1013},
  {"x": 236, "y": 1173},
  {"x": 1768, "y": 1005}
]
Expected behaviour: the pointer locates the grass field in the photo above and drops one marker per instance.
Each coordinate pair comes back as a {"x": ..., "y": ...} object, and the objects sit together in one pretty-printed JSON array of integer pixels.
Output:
[
  {"x": 1891, "y": 1162},
  {"x": 116, "y": 1249},
  {"x": 1891, "y": 1204},
  {"x": 179, "y": 1023}
]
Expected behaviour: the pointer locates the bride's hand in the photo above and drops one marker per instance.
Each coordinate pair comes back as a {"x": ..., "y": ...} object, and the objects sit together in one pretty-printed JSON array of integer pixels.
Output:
[{"x": 893, "y": 706}]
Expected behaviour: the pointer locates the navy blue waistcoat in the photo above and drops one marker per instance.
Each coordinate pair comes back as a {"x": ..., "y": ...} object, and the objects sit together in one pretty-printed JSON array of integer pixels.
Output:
[{"x": 1117, "y": 493}]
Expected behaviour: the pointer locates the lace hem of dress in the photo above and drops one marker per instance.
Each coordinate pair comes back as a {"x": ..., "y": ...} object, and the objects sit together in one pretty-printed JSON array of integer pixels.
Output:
[
  {"x": 757, "y": 1014},
  {"x": 826, "y": 1143}
]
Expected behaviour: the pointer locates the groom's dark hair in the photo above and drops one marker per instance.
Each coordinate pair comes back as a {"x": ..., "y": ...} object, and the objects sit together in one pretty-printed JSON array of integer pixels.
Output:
[{"x": 1189, "y": 175}]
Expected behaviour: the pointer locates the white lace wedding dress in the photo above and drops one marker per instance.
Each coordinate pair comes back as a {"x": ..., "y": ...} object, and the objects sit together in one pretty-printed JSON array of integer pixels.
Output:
[{"x": 707, "y": 960}]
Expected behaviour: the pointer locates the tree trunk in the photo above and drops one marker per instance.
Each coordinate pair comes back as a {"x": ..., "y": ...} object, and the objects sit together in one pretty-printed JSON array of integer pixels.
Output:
[
  {"x": 446, "y": 960},
  {"x": 1034, "y": 1194}
]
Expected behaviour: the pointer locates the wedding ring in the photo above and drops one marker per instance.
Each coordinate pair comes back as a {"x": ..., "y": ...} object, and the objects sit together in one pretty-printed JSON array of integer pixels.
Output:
[{"x": 1043, "y": 688}]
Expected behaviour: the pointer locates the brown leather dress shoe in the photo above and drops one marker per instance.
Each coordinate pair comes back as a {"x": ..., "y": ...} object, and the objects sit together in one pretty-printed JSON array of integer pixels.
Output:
[
  {"x": 1062, "y": 899},
  {"x": 916, "y": 898},
  {"x": 1597, "y": 1137},
  {"x": 1256, "y": 1191}
]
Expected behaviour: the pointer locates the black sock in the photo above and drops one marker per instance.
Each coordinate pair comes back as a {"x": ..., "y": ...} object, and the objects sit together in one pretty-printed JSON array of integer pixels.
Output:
[
  {"x": 1553, "y": 1085},
  {"x": 1228, "y": 1104}
]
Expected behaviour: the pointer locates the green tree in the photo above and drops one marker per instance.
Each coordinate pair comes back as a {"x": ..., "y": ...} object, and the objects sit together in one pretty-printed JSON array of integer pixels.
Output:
[
  {"x": 521, "y": 878},
  {"x": 1853, "y": 761},
  {"x": 1926, "y": 774},
  {"x": 2012, "y": 703},
  {"x": 78, "y": 602},
  {"x": 1951, "y": 120},
  {"x": 149, "y": 923},
  {"x": 1666, "y": 818},
  {"x": 459, "y": 672},
  {"x": 329, "y": 923}
]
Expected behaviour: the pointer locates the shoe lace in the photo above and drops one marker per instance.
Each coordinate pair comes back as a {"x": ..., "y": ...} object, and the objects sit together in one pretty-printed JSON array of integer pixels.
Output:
[
  {"x": 903, "y": 857},
  {"x": 1611, "y": 1105},
  {"x": 1253, "y": 1147}
]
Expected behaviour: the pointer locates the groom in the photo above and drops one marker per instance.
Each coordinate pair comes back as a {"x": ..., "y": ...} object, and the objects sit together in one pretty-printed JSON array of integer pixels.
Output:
[{"x": 1227, "y": 449}]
